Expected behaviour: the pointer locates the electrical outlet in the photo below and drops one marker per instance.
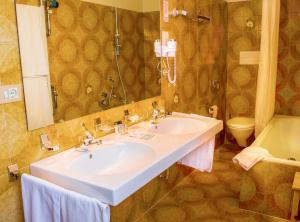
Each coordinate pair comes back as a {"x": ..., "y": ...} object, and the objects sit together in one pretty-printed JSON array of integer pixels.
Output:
[{"x": 10, "y": 93}]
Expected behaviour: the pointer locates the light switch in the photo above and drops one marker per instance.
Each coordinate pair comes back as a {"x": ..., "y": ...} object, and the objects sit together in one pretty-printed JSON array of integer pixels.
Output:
[
  {"x": 5, "y": 94},
  {"x": 10, "y": 93}
]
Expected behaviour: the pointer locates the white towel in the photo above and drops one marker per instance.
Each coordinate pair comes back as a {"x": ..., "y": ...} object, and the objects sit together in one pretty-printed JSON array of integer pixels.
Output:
[
  {"x": 202, "y": 158},
  {"x": 46, "y": 202},
  {"x": 33, "y": 40},
  {"x": 250, "y": 156}
]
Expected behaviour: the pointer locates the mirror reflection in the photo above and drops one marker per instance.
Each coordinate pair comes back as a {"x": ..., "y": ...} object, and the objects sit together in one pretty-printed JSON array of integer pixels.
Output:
[{"x": 101, "y": 54}]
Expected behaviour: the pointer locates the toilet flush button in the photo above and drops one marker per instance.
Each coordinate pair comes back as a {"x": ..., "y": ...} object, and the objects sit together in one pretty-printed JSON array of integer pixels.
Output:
[{"x": 6, "y": 94}]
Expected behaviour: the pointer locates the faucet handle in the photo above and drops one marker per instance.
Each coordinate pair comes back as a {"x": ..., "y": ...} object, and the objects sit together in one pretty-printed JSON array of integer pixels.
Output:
[
  {"x": 118, "y": 122},
  {"x": 88, "y": 134},
  {"x": 154, "y": 104},
  {"x": 83, "y": 126},
  {"x": 126, "y": 116},
  {"x": 168, "y": 113}
]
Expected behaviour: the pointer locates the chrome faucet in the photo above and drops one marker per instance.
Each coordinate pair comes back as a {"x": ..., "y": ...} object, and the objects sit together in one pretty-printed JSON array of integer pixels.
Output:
[
  {"x": 89, "y": 138},
  {"x": 155, "y": 112},
  {"x": 106, "y": 98},
  {"x": 126, "y": 116}
]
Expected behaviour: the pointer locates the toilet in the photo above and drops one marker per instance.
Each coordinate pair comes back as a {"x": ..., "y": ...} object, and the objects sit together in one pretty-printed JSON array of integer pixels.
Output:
[{"x": 241, "y": 128}]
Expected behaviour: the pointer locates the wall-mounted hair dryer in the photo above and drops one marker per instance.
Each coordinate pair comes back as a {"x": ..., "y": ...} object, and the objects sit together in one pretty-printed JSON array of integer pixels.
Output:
[{"x": 166, "y": 51}]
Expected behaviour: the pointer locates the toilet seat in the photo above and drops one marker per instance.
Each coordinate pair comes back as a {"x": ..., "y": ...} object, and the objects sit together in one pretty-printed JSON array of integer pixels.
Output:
[{"x": 241, "y": 123}]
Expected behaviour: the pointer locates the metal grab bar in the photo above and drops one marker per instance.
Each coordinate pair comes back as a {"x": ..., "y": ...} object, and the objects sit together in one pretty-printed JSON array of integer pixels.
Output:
[{"x": 54, "y": 98}]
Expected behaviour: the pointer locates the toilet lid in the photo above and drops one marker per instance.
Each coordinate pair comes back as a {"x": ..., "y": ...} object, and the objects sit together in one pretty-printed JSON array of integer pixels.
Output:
[{"x": 241, "y": 122}]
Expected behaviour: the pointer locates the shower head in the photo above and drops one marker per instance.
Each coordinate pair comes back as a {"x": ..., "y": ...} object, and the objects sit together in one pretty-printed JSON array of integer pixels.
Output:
[{"x": 53, "y": 4}]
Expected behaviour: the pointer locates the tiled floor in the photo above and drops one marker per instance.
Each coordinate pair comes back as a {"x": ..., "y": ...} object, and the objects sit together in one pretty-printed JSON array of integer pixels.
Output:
[{"x": 207, "y": 197}]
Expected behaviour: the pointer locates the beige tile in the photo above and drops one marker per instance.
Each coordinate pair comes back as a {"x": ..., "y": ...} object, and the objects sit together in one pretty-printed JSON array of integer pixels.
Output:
[
  {"x": 10, "y": 201},
  {"x": 293, "y": 6},
  {"x": 240, "y": 9},
  {"x": 279, "y": 174}
]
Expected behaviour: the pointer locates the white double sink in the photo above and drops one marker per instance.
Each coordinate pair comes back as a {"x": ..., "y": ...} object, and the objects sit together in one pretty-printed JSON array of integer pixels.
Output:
[{"x": 114, "y": 170}]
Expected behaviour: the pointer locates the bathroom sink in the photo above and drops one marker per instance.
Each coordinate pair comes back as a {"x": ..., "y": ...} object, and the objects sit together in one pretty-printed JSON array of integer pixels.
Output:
[
  {"x": 99, "y": 172},
  {"x": 178, "y": 126},
  {"x": 112, "y": 159},
  {"x": 122, "y": 164}
]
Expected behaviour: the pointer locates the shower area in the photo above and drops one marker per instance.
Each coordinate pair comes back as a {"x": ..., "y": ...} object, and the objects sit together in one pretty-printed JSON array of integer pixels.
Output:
[
  {"x": 218, "y": 60},
  {"x": 201, "y": 56},
  {"x": 208, "y": 63},
  {"x": 266, "y": 84},
  {"x": 100, "y": 57},
  {"x": 117, "y": 51},
  {"x": 267, "y": 187}
]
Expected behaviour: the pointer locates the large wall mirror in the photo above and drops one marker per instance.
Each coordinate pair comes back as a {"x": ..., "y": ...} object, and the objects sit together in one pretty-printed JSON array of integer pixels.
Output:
[{"x": 101, "y": 54}]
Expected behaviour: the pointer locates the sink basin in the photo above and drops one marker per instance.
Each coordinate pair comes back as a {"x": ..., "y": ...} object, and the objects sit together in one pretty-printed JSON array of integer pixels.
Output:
[
  {"x": 114, "y": 170},
  {"x": 101, "y": 172},
  {"x": 178, "y": 126},
  {"x": 119, "y": 158}
]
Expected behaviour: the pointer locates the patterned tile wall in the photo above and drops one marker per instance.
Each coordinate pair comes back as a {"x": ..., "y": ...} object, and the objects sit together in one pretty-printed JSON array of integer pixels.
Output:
[
  {"x": 201, "y": 57},
  {"x": 16, "y": 143},
  {"x": 288, "y": 77},
  {"x": 152, "y": 74},
  {"x": 267, "y": 189},
  {"x": 241, "y": 83},
  {"x": 134, "y": 207}
]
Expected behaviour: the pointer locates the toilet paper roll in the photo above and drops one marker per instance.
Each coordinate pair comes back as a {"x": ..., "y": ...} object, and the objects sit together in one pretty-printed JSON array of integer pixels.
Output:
[{"x": 213, "y": 111}]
